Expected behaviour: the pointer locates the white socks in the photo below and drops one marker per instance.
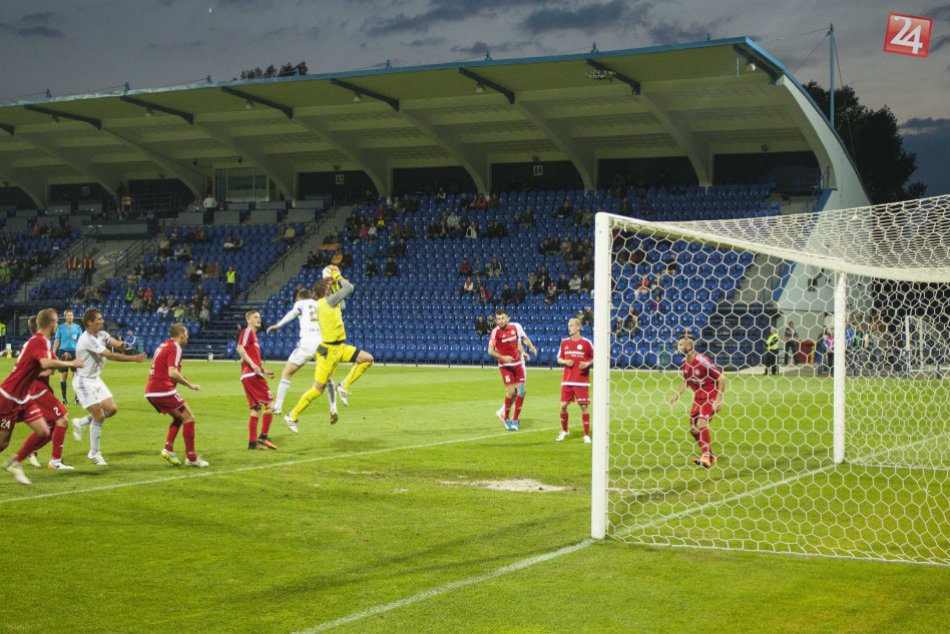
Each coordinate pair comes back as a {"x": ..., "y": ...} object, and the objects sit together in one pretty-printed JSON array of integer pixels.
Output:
[
  {"x": 95, "y": 435},
  {"x": 282, "y": 388}
]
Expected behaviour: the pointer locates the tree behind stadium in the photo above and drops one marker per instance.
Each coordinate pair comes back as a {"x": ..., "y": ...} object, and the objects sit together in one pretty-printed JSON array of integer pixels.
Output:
[{"x": 873, "y": 140}]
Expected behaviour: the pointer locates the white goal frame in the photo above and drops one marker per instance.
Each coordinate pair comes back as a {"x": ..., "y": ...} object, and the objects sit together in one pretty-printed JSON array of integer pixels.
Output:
[{"x": 839, "y": 267}]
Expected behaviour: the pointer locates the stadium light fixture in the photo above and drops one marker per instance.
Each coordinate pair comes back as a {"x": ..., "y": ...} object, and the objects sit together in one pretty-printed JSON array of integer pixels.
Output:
[
  {"x": 357, "y": 97},
  {"x": 479, "y": 88},
  {"x": 751, "y": 65}
]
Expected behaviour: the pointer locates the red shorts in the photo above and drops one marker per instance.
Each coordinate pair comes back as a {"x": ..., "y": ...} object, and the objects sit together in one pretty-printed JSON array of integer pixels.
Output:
[
  {"x": 12, "y": 413},
  {"x": 579, "y": 393},
  {"x": 52, "y": 409},
  {"x": 512, "y": 374},
  {"x": 167, "y": 404},
  {"x": 702, "y": 409},
  {"x": 257, "y": 391}
]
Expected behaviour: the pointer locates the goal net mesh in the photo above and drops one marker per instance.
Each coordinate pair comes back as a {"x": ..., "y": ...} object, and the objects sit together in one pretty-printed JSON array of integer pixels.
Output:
[{"x": 776, "y": 485}]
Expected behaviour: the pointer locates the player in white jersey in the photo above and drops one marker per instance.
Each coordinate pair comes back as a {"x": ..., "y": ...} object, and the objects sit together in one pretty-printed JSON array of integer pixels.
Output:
[
  {"x": 305, "y": 311},
  {"x": 88, "y": 385}
]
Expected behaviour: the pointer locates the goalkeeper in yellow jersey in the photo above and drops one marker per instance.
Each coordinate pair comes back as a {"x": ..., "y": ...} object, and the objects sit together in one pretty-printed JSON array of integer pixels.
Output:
[{"x": 330, "y": 293}]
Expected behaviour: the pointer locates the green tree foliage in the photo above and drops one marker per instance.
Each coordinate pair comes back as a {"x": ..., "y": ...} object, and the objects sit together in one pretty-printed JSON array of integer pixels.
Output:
[{"x": 874, "y": 141}]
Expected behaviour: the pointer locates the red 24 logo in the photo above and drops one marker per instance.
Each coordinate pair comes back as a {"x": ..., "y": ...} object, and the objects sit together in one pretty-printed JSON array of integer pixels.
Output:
[{"x": 907, "y": 35}]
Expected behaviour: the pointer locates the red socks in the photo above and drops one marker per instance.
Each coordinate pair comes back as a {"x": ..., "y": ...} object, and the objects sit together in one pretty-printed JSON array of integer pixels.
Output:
[
  {"x": 507, "y": 406},
  {"x": 585, "y": 418},
  {"x": 188, "y": 433},
  {"x": 563, "y": 421},
  {"x": 705, "y": 438},
  {"x": 519, "y": 401},
  {"x": 265, "y": 423},
  {"x": 252, "y": 429},
  {"x": 33, "y": 442},
  {"x": 172, "y": 435},
  {"x": 58, "y": 437}
]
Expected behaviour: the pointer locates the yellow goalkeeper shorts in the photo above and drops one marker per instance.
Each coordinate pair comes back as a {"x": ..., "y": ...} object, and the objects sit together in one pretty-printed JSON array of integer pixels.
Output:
[{"x": 329, "y": 357}]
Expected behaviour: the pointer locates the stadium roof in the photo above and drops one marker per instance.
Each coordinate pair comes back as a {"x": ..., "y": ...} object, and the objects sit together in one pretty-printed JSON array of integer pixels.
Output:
[{"x": 694, "y": 100}]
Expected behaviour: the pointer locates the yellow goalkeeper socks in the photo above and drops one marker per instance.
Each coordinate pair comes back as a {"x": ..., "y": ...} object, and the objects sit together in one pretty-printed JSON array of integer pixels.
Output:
[
  {"x": 355, "y": 372},
  {"x": 304, "y": 402}
]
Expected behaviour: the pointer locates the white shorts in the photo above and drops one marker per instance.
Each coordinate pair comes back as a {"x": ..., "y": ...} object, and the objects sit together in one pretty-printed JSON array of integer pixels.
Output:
[
  {"x": 304, "y": 352},
  {"x": 90, "y": 391}
]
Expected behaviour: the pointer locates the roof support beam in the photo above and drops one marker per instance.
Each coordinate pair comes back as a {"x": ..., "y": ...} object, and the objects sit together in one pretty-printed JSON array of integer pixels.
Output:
[
  {"x": 108, "y": 179},
  {"x": 277, "y": 170},
  {"x": 26, "y": 180},
  {"x": 508, "y": 93},
  {"x": 59, "y": 114},
  {"x": 193, "y": 178},
  {"x": 287, "y": 110},
  {"x": 187, "y": 116},
  {"x": 696, "y": 151},
  {"x": 393, "y": 103},
  {"x": 633, "y": 83},
  {"x": 560, "y": 135},
  {"x": 375, "y": 167},
  {"x": 473, "y": 161}
]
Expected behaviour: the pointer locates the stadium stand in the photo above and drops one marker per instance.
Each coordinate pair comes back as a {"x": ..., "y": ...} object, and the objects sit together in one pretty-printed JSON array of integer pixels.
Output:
[
  {"x": 24, "y": 253},
  {"x": 420, "y": 316}
]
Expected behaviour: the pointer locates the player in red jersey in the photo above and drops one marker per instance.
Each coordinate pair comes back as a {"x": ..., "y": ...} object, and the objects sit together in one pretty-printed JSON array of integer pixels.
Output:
[
  {"x": 54, "y": 413},
  {"x": 160, "y": 391},
  {"x": 505, "y": 345},
  {"x": 15, "y": 402},
  {"x": 577, "y": 356},
  {"x": 708, "y": 383},
  {"x": 259, "y": 397}
]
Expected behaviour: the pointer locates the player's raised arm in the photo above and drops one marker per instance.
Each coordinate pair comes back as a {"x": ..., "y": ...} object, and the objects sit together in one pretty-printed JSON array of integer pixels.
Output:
[
  {"x": 291, "y": 315},
  {"x": 118, "y": 344},
  {"x": 346, "y": 288}
]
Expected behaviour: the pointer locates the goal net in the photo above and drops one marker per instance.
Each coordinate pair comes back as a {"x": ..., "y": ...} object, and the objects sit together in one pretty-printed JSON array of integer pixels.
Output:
[{"x": 831, "y": 330}]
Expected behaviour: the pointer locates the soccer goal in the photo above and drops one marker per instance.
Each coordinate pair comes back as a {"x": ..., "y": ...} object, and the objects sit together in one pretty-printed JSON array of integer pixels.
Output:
[{"x": 833, "y": 437}]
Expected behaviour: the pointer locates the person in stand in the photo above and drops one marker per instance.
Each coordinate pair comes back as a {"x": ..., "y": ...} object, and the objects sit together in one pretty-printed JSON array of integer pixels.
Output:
[
  {"x": 772, "y": 344},
  {"x": 791, "y": 342}
]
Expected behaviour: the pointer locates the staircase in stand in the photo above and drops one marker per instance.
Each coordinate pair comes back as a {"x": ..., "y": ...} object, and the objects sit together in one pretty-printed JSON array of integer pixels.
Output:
[{"x": 219, "y": 335}]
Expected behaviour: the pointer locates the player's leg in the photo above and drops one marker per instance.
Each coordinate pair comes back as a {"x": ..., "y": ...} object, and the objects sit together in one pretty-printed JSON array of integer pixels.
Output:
[
  {"x": 34, "y": 442},
  {"x": 564, "y": 417},
  {"x": 520, "y": 393},
  {"x": 331, "y": 401},
  {"x": 362, "y": 361},
  {"x": 252, "y": 427},
  {"x": 187, "y": 419},
  {"x": 585, "y": 421},
  {"x": 63, "y": 375},
  {"x": 106, "y": 408},
  {"x": 700, "y": 424},
  {"x": 267, "y": 416},
  {"x": 34, "y": 420},
  {"x": 290, "y": 368},
  {"x": 58, "y": 438},
  {"x": 511, "y": 390}
]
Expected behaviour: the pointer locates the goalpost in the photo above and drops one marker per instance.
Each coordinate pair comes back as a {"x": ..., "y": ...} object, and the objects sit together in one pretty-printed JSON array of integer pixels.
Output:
[{"x": 837, "y": 443}]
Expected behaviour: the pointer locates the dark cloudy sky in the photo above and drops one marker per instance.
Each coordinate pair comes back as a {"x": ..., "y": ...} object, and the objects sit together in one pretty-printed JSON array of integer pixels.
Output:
[{"x": 82, "y": 46}]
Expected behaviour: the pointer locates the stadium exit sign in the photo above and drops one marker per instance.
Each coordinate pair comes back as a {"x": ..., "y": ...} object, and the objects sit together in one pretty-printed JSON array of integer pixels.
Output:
[{"x": 907, "y": 35}]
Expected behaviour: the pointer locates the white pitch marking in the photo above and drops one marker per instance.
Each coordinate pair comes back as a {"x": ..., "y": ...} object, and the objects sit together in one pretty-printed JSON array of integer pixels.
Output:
[
  {"x": 525, "y": 563},
  {"x": 287, "y": 463}
]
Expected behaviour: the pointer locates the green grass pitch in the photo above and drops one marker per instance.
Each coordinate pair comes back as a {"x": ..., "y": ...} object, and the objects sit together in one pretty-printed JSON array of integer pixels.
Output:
[{"x": 377, "y": 524}]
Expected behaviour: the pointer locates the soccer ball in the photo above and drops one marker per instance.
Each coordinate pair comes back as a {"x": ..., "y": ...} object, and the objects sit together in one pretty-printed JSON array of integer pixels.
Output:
[{"x": 331, "y": 273}]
